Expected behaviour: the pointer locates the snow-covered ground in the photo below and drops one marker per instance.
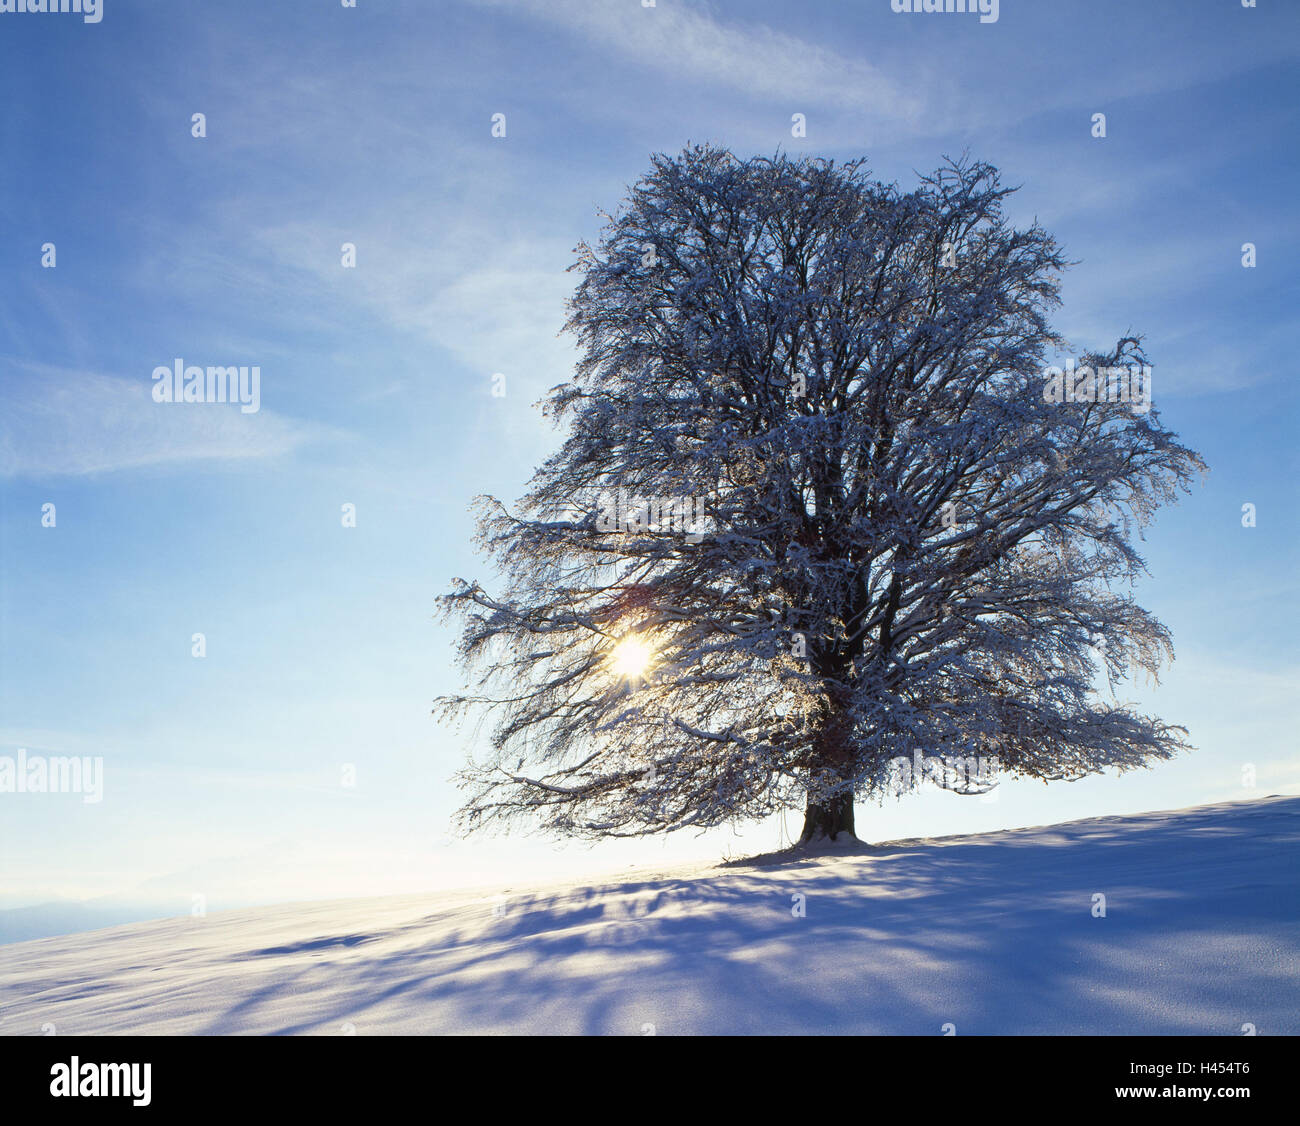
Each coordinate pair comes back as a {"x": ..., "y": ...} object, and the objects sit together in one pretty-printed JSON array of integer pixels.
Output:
[{"x": 994, "y": 933}]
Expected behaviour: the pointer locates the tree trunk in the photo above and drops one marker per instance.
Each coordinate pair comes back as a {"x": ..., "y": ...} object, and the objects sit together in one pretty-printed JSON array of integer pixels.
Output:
[
  {"x": 830, "y": 762},
  {"x": 827, "y": 820}
]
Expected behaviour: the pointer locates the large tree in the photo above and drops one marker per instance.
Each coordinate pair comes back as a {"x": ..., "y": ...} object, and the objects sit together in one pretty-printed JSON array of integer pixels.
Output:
[{"x": 814, "y": 514}]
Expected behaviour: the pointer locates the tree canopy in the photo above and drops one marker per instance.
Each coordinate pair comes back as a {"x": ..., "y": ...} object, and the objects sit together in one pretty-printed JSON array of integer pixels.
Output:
[{"x": 814, "y": 514}]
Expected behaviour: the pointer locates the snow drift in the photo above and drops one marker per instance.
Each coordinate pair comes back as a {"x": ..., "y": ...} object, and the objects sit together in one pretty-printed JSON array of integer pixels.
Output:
[{"x": 992, "y": 933}]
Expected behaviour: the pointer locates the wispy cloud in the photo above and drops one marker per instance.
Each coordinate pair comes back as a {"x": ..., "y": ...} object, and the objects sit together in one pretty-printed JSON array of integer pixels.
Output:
[
  {"x": 59, "y": 422},
  {"x": 752, "y": 58},
  {"x": 496, "y": 303}
]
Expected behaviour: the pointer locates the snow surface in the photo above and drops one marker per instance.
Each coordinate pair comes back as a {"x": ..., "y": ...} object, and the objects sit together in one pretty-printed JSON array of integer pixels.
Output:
[{"x": 993, "y": 933}]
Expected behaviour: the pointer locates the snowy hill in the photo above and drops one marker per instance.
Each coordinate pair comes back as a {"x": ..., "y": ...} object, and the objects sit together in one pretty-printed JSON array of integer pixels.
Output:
[{"x": 994, "y": 933}]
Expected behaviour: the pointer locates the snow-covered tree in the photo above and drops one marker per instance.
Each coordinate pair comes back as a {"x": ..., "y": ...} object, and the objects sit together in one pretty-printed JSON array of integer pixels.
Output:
[{"x": 816, "y": 518}]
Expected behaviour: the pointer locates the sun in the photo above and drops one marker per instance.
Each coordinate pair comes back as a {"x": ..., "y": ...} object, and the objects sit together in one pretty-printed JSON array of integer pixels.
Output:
[{"x": 632, "y": 657}]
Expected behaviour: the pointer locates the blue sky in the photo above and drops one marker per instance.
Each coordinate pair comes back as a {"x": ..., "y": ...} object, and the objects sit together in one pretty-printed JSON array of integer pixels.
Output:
[{"x": 372, "y": 125}]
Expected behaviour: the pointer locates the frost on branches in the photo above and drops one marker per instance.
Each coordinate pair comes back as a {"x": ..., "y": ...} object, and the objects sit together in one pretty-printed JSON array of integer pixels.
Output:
[{"x": 898, "y": 547}]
